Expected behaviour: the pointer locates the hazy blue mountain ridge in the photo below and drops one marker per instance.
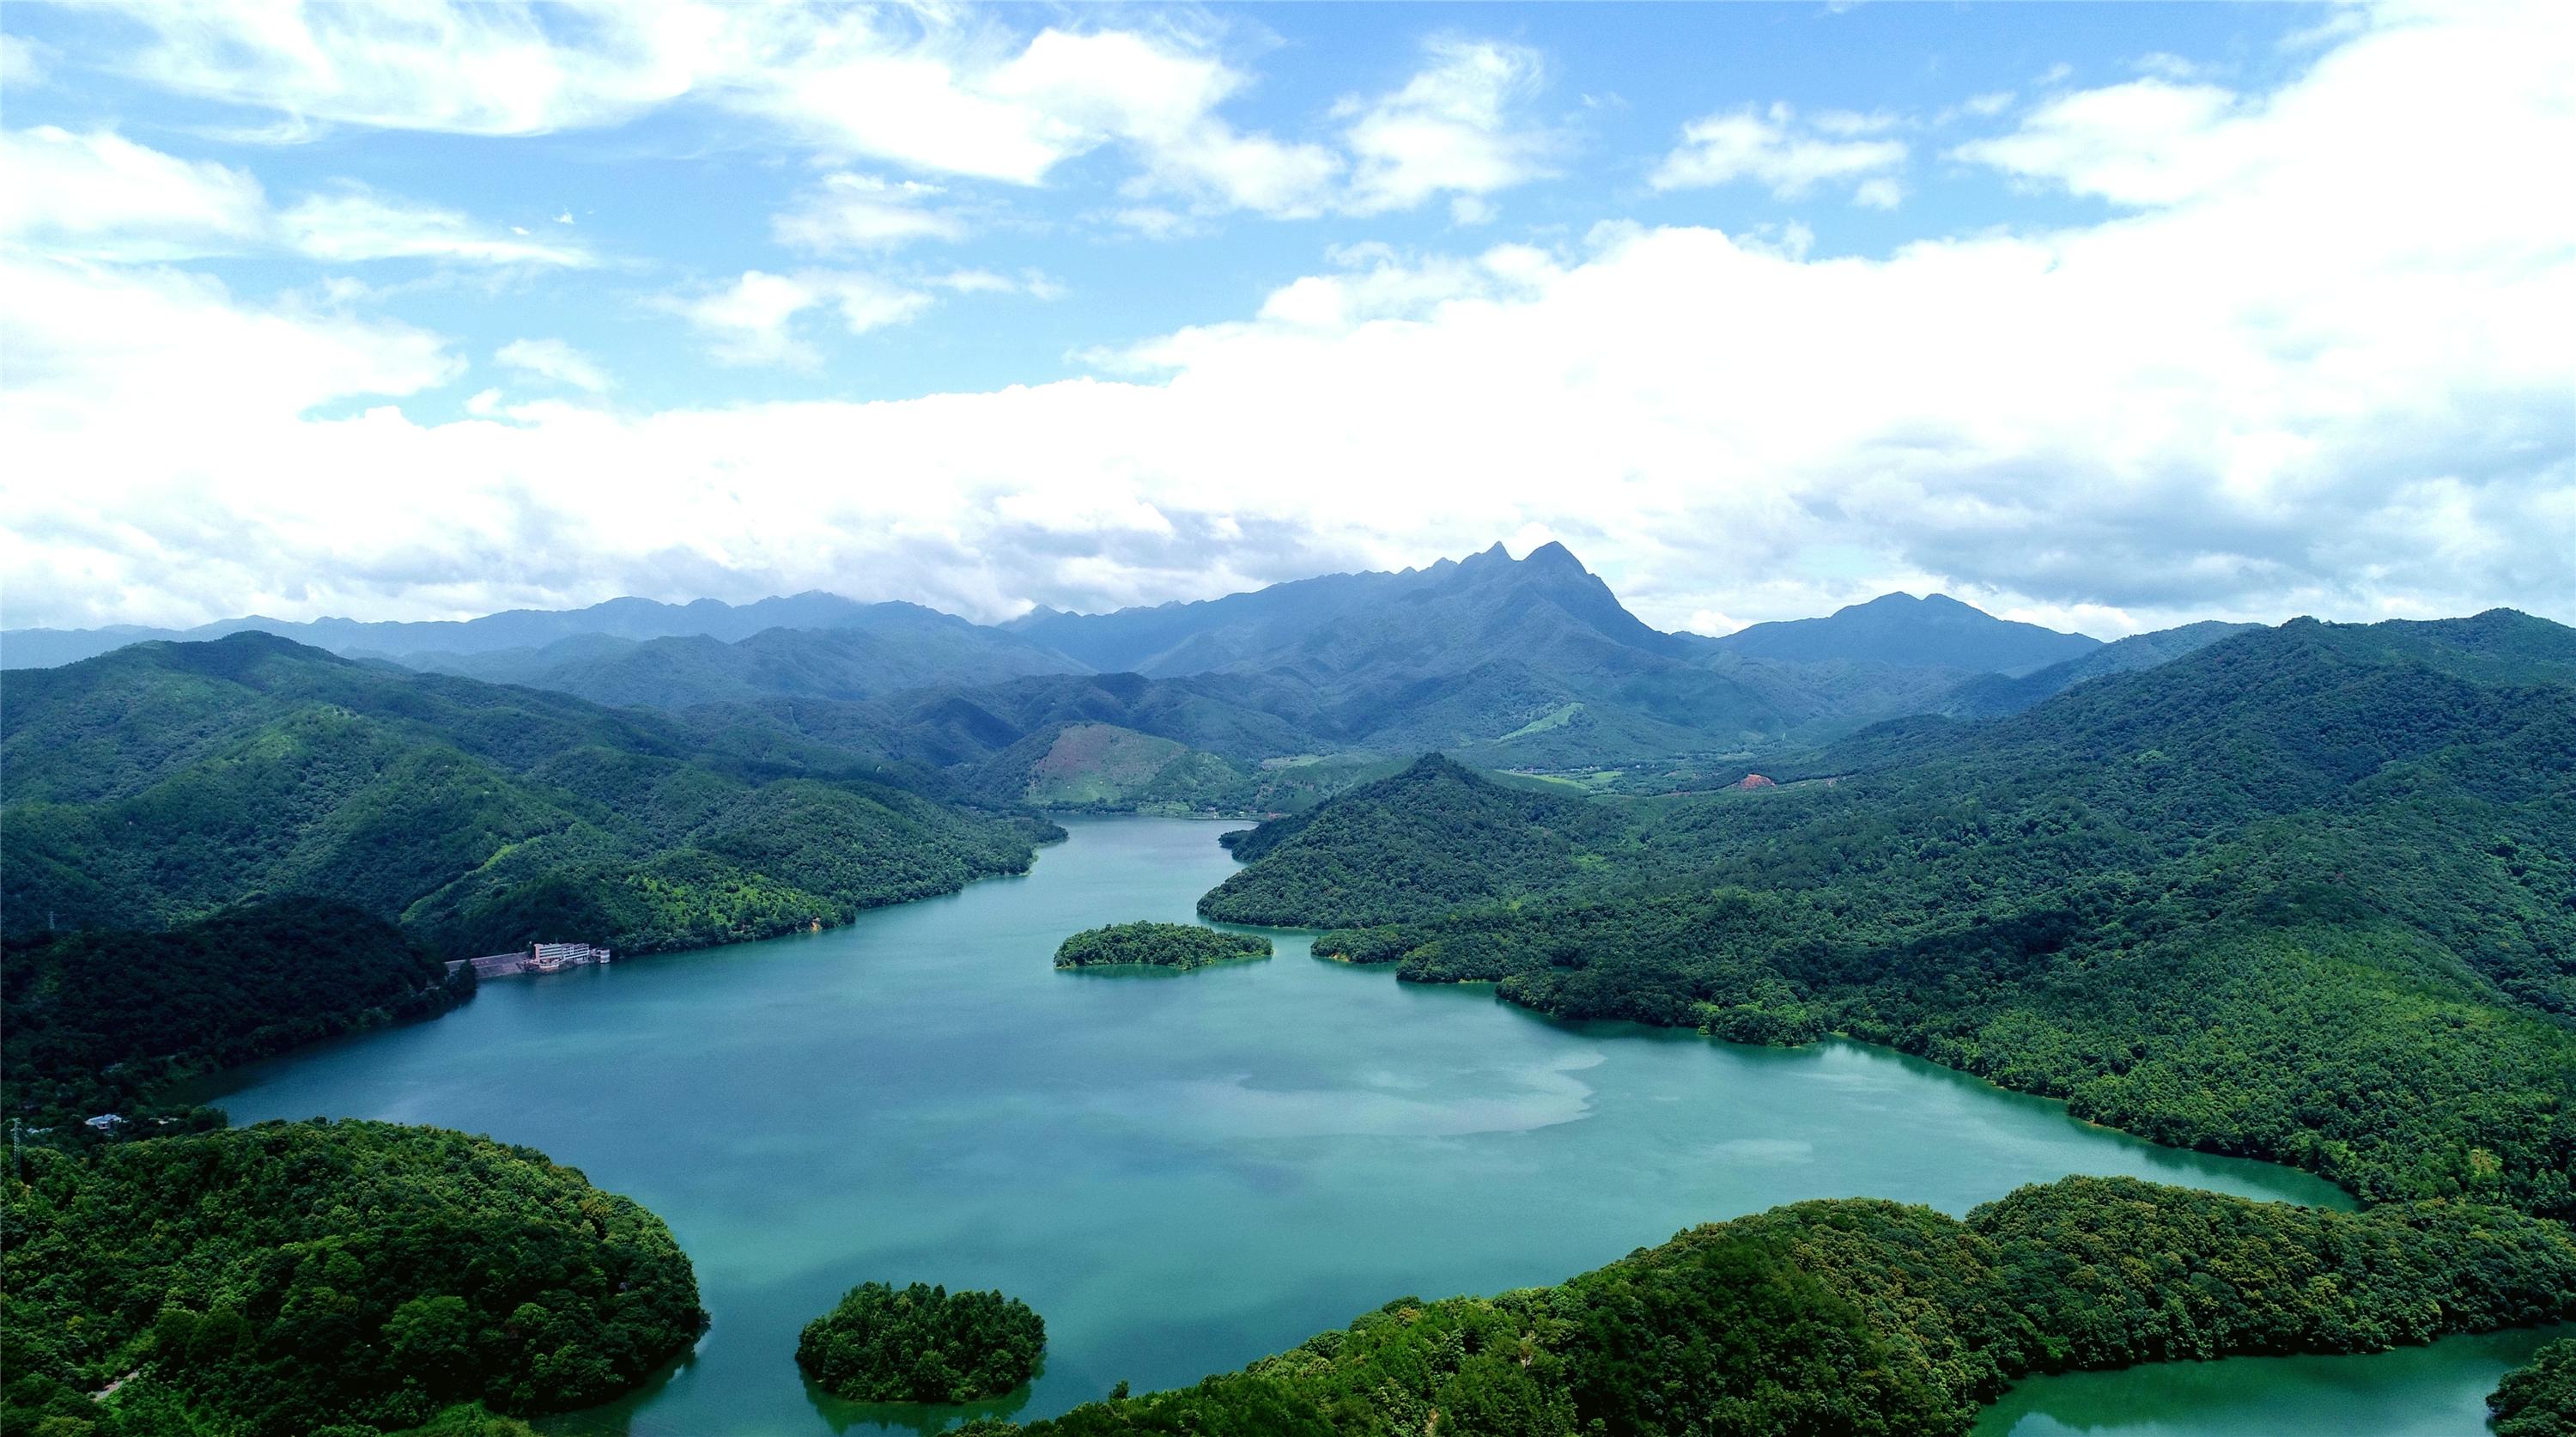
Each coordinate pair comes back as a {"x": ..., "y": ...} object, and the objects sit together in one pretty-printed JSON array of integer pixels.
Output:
[{"x": 1933, "y": 631}]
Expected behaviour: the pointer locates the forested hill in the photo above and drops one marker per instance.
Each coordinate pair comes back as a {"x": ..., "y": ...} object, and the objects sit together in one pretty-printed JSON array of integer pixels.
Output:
[
  {"x": 1863, "y": 1316},
  {"x": 1434, "y": 837},
  {"x": 2302, "y": 895},
  {"x": 159, "y": 783},
  {"x": 293, "y": 1279},
  {"x": 99, "y": 1021},
  {"x": 1995, "y": 695}
]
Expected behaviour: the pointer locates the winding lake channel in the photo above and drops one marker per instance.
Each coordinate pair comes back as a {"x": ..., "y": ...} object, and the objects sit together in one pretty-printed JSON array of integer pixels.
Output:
[{"x": 1184, "y": 1172}]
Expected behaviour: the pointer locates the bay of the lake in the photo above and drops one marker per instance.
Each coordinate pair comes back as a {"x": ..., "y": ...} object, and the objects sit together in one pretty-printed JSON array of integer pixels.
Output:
[{"x": 1179, "y": 1172}]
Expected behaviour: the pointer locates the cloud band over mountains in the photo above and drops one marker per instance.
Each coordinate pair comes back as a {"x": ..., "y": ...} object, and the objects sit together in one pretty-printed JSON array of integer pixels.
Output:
[{"x": 2301, "y": 350}]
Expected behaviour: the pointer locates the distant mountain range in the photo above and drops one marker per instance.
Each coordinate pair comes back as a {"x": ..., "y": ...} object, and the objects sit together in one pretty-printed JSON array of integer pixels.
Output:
[
  {"x": 868, "y": 650},
  {"x": 633, "y": 619},
  {"x": 1936, "y": 631},
  {"x": 1527, "y": 663}
]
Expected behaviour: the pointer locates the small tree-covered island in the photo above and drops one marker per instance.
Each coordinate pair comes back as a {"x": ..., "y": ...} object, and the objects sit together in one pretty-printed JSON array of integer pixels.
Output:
[
  {"x": 922, "y": 1344},
  {"x": 1177, "y": 946}
]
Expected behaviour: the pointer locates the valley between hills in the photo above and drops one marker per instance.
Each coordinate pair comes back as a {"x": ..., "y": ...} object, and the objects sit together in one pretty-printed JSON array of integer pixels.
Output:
[{"x": 2303, "y": 894}]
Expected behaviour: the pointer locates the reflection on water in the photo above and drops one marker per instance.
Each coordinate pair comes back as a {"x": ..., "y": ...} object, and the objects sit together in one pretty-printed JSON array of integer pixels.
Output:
[{"x": 1181, "y": 1173}]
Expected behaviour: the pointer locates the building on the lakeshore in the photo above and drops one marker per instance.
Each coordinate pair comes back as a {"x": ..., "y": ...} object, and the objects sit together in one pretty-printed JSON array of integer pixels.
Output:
[
  {"x": 535, "y": 958},
  {"x": 555, "y": 957}
]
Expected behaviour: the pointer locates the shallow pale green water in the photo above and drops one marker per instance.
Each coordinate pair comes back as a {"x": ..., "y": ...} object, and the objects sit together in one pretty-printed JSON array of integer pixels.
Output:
[
  {"x": 2436, "y": 1391},
  {"x": 1180, "y": 1172}
]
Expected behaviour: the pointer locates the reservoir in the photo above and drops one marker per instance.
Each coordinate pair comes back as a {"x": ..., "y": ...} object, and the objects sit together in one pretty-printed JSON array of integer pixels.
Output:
[{"x": 1180, "y": 1172}]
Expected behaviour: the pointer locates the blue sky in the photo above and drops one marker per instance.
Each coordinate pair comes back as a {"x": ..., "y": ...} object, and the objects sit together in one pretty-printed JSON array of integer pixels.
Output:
[{"x": 416, "y": 311}]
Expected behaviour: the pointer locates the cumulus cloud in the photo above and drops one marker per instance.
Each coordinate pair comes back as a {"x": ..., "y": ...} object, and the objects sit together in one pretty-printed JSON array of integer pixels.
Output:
[
  {"x": 1774, "y": 148},
  {"x": 1453, "y": 129},
  {"x": 2314, "y": 360},
  {"x": 103, "y": 196},
  {"x": 2146, "y": 142},
  {"x": 753, "y": 321},
  {"x": 94, "y": 350}
]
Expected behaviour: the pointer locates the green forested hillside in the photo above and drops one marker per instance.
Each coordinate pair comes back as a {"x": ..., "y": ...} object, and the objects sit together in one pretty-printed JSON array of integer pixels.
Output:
[
  {"x": 2538, "y": 1399},
  {"x": 97, "y": 1020},
  {"x": 1101, "y": 766},
  {"x": 2303, "y": 895},
  {"x": 274, "y": 1280},
  {"x": 1868, "y": 1317},
  {"x": 164, "y": 781},
  {"x": 1434, "y": 837},
  {"x": 1995, "y": 695}
]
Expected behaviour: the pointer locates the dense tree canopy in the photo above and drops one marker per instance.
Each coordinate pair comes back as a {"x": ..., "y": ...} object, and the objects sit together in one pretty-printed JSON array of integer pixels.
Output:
[
  {"x": 1433, "y": 837},
  {"x": 922, "y": 1344},
  {"x": 268, "y": 1281},
  {"x": 2539, "y": 1398},
  {"x": 99, "y": 1020},
  {"x": 1179, "y": 946},
  {"x": 1869, "y": 1317},
  {"x": 2306, "y": 894}
]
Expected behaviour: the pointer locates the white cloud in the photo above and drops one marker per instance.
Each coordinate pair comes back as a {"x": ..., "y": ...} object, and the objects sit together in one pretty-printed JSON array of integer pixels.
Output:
[
  {"x": 2317, "y": 362},
  {"x": 1880, "y": 193},
  {"x": 1771, "y": 147},
  {"x": 933, "y": 90},
  {"x": 554, "y": 359},
  {"x": 87, "y": 343},
  {"x": 847, "y": 211},
  {"x": 2145, "y": 142},
  {"x": 24, "y": 63},
  {"x": 354, "y": 223},
  {"x": 1033, "y": 283},
  {"x": 101, "y": 196},
  {"x": 753, "y": 321},
  {"x": 1452, "y": 129},
  {"x": 497, "y": 69}
]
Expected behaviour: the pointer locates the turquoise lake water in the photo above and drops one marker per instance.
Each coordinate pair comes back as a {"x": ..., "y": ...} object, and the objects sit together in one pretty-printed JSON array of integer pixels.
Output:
[{"x": 1181, "y": 1172}]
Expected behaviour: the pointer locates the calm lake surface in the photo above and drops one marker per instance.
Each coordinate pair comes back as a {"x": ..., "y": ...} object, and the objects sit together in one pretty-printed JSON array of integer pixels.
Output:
[{"x": 1184, "y": 1172}]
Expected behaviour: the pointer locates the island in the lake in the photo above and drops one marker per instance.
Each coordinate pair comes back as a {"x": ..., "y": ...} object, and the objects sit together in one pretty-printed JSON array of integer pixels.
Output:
[
  {"x": 1177, "y": 946},
  {"x": 922, "y": 1344}
]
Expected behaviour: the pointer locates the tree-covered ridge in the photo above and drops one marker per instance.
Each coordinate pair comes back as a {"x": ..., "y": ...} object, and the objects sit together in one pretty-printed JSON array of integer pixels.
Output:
[
  {"x": 268, "y": 1281},
  {"x": 2538, "y": 1399},
  {"x": 1178, "y": 946},
  {"x": 1434, "y": 837},
  {"x": 162, "y": 782},
  {"x": 2294, "y": 896},
  {"x": 922, "y": 1343},
  {"x": 1870, "y": 1317},
  {"x": 98, "y": 1020}
]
